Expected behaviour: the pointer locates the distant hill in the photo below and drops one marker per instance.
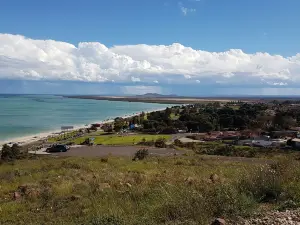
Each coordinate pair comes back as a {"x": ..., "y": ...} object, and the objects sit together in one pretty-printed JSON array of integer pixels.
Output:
[{"x": 155, "y": 95}]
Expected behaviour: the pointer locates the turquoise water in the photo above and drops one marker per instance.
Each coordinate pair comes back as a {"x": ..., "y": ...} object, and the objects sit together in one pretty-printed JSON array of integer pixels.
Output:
[{"x": 24, "y": 115}]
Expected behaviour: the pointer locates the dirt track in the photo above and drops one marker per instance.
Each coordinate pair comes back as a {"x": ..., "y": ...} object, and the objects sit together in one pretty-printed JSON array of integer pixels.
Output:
[{"x": 91, "y": 151}]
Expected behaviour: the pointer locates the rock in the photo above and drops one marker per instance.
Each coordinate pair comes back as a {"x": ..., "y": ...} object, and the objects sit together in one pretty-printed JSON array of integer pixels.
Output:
[
  {"x": 214, "y": 178},
  {"x": 29, "y": 190},
  {"x": 219, "y": 221},
  {"x": 75, "y": 197},
  {"x": 189, "y": 180},
  {"x": 17, "y": 195},
  {"x": 103, "y": 186},
  {"x": 274, "y": 217},
  {"x": 33, "y": 193},
  {"x": 129, "y": 185}
]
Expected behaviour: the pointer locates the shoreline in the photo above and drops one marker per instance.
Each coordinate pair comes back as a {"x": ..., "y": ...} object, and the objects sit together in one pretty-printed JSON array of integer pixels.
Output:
[
  {"x": 159, "y": 100},
  {"x": 24, "y": 140}
]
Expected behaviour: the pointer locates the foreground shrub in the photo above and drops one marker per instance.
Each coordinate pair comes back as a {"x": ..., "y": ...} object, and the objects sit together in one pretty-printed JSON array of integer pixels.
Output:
[
  {"x": 183, "y": 204},
  {"x": 178, "y": 143},
  {"x": 228, "y": 201},
  {"x": 147, "y": 143},
  {"x": 264, "y": 184},
  {"x": 141, "y": 154},
  {"x": 104, "y": 159},
  {"x": 160, "y": 143}
]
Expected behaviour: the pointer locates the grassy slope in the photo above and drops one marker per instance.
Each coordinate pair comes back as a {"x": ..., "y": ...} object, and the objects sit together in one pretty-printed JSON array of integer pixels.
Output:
[
  {"x": 175, "y": 190},
  {"x": 122, "y": 140}
]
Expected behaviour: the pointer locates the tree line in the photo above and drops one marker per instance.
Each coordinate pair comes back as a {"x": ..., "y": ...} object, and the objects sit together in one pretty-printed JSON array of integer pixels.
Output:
[{"x": 216, "y": 117}]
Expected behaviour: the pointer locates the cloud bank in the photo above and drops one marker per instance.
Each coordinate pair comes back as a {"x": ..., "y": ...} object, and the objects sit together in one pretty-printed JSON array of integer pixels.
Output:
[{"x": 23, "y": 58}]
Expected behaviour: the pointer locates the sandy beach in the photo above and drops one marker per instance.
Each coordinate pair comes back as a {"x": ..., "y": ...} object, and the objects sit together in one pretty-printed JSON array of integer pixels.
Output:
[{"x": 24, "y": 140}]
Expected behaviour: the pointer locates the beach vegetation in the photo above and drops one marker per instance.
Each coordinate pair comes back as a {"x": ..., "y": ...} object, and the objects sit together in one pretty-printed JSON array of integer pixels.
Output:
[{"x": 10, "y": 153}]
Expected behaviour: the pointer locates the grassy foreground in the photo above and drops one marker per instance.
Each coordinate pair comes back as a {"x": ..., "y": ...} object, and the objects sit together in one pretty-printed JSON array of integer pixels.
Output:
[{"x": 166, "y": 190}]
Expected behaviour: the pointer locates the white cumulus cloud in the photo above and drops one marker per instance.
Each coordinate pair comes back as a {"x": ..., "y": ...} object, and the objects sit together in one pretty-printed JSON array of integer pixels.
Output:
[
  {"x": 135, "y": 79},
  {"x": 139, "y": 90},
  {"x": 29, "y": 59},
  {"x": 184, "y": 9}
]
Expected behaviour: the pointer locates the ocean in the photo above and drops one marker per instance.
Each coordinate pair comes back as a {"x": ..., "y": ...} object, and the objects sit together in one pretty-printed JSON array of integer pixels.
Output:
[{"x": 24, "y": 115}]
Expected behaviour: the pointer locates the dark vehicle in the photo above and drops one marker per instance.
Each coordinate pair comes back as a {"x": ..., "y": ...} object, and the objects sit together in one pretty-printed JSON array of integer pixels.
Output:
[{"x": 58, "y": 148}]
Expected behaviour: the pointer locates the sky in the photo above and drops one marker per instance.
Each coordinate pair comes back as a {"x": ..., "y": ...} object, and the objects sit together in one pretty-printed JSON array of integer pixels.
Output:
[{"x": 124, "y": 47}]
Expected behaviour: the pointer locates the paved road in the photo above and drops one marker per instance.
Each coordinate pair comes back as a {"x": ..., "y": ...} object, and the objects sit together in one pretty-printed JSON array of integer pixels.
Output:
[
  {"x": 176, "y": 136},
  {"x": 101, "y": 150},
  {"x": 41, "y": 151}
]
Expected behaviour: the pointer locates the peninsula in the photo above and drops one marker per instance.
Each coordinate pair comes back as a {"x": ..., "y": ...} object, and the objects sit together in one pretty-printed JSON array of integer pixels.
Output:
[{"x": 157, "y": 98}]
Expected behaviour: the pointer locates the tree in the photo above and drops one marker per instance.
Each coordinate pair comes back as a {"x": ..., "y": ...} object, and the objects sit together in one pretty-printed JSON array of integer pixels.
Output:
[
  {"x": 168, "y": 112},
  {"x": 283, "y": 122},
  {"x": 10, "y": 153},
  {"x": 119, "y": 124},
  {"x": 107, "y": 128},
  {"x": 6, "y": 153},
  {"x": 16, "y": 150},
  {"x": 205, "y": 126},
  {"x": 226, "y": 121}
]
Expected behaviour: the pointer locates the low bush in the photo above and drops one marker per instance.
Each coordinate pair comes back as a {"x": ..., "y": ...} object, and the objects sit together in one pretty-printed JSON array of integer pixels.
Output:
[
  {"x": 141, "y": 154},
  {"x": 264, "y": 184},
  {"x": 104, "y": 160},
  {"x": 147, "y": 143},
  {"x": 184, "y": 204},
  {"x": 225, "y": 200},
  {"x": 160, "y": 143},
  {"x": 168, "y": 130},
  {"x": 178, "y": 143}
]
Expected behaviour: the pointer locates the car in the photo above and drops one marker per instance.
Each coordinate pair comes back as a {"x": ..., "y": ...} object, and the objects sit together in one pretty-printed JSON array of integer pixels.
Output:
[{"x": 58, "y": 148}]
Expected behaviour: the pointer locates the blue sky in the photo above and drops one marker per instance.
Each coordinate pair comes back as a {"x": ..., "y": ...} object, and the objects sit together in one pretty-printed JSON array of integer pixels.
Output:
[{"x": 256, "y": 26}]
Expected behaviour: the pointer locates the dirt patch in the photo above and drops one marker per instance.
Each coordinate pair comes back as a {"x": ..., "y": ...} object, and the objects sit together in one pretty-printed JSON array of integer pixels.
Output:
[{"x": 100, "y": 150}]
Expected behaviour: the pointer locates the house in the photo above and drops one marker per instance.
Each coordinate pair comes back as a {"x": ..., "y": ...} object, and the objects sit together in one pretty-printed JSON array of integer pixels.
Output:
[
  {"x": 182, "y": 131},
  {"x": 262, "y": 143},
  {"x": 258, "y": 141},
  {"x": 270, "y": 112},
  {"x": 279, "y": 142},
  {"x": 284, "y": 133}
]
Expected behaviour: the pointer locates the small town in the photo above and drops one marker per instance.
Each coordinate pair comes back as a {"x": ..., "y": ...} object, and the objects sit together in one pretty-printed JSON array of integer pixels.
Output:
[{"x": 160, "y": 112}]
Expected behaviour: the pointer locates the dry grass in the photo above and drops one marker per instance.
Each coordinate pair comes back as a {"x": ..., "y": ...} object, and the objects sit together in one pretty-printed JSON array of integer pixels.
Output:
[{"x": 174, "y": 190}]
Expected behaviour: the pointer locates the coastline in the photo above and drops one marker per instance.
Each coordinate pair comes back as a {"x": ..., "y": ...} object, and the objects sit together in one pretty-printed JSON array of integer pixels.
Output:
[
  {"x": 28, "y": 139},
  {"x": 160, "y": 100}
]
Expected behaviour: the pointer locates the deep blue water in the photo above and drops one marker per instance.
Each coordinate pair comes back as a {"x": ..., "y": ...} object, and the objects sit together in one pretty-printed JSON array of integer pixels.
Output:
[{"x": 23, "y": 115}]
